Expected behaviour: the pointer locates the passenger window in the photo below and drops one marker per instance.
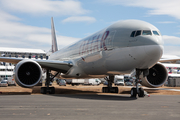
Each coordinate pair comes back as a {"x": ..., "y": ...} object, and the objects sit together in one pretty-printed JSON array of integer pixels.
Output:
[
  {"x": 155, "y": 33},
  {"x": 138, "y": 33},
  {"x": 132, "y": 34},
  {"x": 146, "y": 32}
]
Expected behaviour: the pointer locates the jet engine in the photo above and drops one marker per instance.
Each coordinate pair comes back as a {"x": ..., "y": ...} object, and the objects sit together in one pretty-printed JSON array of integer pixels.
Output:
[
  {"x": 157, "y": 76},
  {"x": 27, "y": 73}
]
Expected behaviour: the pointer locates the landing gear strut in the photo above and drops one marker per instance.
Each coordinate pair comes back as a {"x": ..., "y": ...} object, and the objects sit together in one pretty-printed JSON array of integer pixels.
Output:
[
  {"x": 137, "y": 90},
  {"x": 47, "y": 89},
  {"x": 110, "y": 89}
]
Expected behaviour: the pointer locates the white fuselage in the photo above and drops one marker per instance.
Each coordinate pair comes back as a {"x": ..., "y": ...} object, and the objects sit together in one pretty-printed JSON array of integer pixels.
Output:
[{"x": 113, "y": 51}]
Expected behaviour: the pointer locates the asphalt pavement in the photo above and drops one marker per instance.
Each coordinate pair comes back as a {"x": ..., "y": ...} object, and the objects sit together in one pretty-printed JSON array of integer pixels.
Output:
[{"x": 89, "y": 107}]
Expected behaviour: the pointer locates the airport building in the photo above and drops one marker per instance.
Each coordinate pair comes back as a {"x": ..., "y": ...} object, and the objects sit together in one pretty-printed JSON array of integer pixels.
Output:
[
  {"x": 6, "y": 69},
  {"x": 23, "y": 53}
]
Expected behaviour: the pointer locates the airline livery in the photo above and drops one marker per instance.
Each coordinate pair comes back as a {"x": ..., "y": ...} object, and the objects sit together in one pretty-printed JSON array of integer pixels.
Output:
[{"x": 121, "y": 48}]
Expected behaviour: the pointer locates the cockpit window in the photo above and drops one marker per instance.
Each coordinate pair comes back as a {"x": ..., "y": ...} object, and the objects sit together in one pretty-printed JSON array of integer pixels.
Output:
[
  {"x": 146, "y": 32},
  {"x": 132, "y": 34},
  {"x": 155, "y": 33},
  {"x": 138, "y": 33}
]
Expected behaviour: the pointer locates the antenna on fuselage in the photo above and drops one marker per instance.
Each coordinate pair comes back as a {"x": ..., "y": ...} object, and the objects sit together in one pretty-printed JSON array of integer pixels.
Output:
[{"x": 53, "y": 34}]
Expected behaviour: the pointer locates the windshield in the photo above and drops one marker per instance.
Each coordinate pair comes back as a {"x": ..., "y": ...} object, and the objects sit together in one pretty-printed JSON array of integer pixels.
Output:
[
  {"x": 138, "y": 33},
  {"x": 119, "y": 80},
  {"x": 3, "y": 82},
  {"x": 62, "y": 81},
  {"x": 155, "y": 33},
  {"x": 146, "y": 32}
]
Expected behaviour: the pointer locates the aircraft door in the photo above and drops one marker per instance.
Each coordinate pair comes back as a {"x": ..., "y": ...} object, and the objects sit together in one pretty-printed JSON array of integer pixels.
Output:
[{"x": 109, "y": 40}]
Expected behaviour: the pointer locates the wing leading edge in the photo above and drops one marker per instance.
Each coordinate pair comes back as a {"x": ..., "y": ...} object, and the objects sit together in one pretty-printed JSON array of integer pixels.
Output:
[
  {"x": 169, "y": 60},
  {"x": 61, "y": 66}
]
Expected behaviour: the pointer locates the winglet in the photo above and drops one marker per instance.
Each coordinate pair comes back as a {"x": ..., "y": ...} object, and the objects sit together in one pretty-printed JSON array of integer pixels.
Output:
[{"x": 54, "y": 41}]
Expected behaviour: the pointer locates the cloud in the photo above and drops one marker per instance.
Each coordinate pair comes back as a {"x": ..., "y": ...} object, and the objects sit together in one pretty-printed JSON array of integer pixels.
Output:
[
  {"x": 79, "y": 19},
  {"x": 171, "y": 50},
  {"x": 5, "y": 16},
  {"x": 171, "y": 45},
  {"x": 171, "y": 40},
  {"x": 43, "y": 7},
  {"x": 157, "y": 7},
  {"x": 13, "y": 33},
  {"x": 64, "y": 41},
  {"x": 17, "y": 35},
  {"x": 166, "y": 22}
]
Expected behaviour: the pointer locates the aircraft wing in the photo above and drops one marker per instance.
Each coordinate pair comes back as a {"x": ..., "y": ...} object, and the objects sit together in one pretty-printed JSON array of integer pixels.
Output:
[
  {"x": 169, "y": 59},
  {"x": 61, "y": 66},
  {"x": 171, "y": 65}
]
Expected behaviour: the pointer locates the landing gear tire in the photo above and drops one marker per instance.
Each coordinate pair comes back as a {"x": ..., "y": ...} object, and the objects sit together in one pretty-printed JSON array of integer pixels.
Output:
[
  {"x": 133, "y": 92},
  {"x": 112, "y": 90},
  {"x": 116, "y": 89},
  {"x": 141, "y": 92},
  {"x": 51, "y": 90},
  {"x": 137, "y": 90},
  {"x": 104, "y": 90},
  {"x": 43, "y": 90}
]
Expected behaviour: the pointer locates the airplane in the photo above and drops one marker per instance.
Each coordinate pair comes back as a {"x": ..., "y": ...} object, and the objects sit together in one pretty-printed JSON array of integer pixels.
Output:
[
  {"x": 173, "y": 69},
  {"x": 120, "y": 48}
]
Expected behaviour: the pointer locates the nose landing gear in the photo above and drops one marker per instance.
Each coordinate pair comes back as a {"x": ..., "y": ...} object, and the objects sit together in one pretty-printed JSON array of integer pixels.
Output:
[{"x": 138, "y": 90}]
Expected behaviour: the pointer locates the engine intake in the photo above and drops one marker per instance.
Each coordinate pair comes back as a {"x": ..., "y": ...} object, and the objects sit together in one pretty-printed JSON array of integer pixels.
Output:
[
  {"x": 28, "y": 73},
  {"x": 157, "y": 76}
]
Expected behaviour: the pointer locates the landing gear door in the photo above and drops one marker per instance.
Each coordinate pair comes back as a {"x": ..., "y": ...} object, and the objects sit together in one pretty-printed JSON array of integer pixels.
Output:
[{"x": 109, "y": 40}]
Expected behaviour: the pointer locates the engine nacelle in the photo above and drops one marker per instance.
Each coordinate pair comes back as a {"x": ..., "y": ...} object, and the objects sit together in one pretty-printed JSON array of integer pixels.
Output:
[
  {"x": 157, "y": 76},
  {"x": 28, "y": 73}
]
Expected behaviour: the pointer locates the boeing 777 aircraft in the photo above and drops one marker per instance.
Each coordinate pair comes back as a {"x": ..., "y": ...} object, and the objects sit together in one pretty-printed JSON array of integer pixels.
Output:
[{"x": 120, "y": 48}]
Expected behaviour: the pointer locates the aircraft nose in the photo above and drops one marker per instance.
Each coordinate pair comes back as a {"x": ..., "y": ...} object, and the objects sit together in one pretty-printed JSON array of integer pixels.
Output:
[
  {"x": 155, "y": 49},
  {"x": 153, "y": 53}
]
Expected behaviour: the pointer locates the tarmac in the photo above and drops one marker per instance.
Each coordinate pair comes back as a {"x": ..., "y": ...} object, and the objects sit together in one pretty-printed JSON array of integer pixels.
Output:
[
  {"x": 17, "y": 90},
  {"x": 89, "y": 107}
]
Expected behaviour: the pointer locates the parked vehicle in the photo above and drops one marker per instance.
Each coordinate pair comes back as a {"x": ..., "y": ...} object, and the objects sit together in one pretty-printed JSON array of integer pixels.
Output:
[
  {"x": 106, "y": 83},
  {"x": 77, "y": 82},
  {"x": 68, "y": 81},
  {"x": 128, "y": 84},
  {"x": 11, "y": 81},
  {"x": 5, "y": 79},
  {"x": 62, "y": 82},
  {"x": 3, "y": 83},
  {"x": 57, "y": 81},
  {"x": 128, "y": 78},
  {"x": 92, "y": 81},
  {"x": 119, "y": 80}
]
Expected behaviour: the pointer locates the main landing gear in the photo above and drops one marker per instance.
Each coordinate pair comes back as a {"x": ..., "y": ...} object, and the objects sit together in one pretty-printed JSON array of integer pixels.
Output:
[
  {"x": 137, "y": 91},
  {"x": 110, "y": 89},
  {"x": 47, "y": 89}
]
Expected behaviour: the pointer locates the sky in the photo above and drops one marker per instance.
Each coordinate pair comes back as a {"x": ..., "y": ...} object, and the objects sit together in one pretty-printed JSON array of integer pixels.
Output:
[{"x": 27, "y": 23}]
